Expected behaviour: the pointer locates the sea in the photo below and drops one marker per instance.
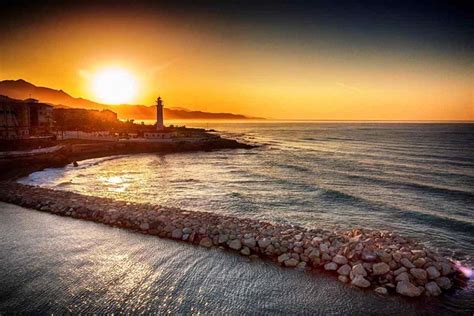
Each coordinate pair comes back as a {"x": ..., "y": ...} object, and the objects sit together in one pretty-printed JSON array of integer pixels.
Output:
[{"x": 413, "y": 178}]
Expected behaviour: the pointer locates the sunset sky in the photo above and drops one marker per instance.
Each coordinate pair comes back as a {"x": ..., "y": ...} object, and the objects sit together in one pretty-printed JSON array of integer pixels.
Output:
[{"x": 327, "y": 60}]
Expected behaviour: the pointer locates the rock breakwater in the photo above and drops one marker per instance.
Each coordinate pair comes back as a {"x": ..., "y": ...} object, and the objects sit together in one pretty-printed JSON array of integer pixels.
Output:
[{"x": 379, "y": 260}]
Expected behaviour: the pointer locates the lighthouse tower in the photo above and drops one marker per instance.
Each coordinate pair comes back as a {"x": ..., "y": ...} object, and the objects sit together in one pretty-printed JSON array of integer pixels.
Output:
[{"x": 159, "y": 114}]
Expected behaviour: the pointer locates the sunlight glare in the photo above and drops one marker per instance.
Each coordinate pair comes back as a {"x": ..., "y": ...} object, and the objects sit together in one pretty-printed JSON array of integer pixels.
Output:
[{"x": 114, "y": 86}]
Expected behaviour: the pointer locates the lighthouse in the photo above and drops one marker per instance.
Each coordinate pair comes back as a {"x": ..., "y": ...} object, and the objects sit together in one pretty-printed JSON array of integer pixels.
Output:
[{"x": 159, "y": 114}]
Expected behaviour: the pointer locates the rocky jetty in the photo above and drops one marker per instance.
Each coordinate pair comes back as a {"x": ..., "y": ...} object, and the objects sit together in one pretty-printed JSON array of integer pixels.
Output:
[{"x": 378, "y": 260}]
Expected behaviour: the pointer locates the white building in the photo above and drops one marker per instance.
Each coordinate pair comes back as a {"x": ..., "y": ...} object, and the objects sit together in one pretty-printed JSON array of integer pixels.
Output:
[{"x": 160, "y": 135}]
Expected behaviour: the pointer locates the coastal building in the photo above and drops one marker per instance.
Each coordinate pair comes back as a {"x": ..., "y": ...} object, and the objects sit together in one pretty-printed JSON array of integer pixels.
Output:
[
  {"x": 96, "y": 135},
  {"x": 82, "y": 119},
  {"x": 159, "y": 114},
  {"x": 13, "y": 120},
  {"x": 164, "y": 134},
  {"x": 41, "y": 117},
  {"x": 20, "y": 119}
]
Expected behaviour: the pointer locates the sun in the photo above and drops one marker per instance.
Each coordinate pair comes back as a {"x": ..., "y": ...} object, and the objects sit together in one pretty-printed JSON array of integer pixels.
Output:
[{"x": 114, "y": 86}]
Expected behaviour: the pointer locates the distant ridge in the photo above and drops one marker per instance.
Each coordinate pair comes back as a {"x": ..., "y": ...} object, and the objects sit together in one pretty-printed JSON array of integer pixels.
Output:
[{"x": 21, "y": 89}]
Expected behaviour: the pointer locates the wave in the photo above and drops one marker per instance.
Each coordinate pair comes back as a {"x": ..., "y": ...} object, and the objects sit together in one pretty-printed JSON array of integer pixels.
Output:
[
  {"x": 402, "y": 213},
  {"x": 64, "y": 183},
  {"x": 294, "y": 167},
  {"x": 190, "y": 180},
  {"x": 426, "y": 188},
  {"x": 96, "y": 161}
]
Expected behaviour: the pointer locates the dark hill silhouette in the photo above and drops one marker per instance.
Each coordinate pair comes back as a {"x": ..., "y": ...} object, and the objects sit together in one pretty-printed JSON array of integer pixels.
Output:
[{"x": 21, "y": 89}]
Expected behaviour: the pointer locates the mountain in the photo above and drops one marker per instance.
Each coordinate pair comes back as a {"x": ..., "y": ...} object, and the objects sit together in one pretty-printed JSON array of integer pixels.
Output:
[{"x": 21, "y": 89}]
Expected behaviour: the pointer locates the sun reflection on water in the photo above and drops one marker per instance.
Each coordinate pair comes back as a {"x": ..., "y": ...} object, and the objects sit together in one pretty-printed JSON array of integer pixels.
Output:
[{"x": 114, "y": 183}]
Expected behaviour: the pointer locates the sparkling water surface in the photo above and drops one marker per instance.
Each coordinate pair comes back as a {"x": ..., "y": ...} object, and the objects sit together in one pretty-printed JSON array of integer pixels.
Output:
[
  {"x": 52, "y": 264},
  {"x": 417, "y": 179}
]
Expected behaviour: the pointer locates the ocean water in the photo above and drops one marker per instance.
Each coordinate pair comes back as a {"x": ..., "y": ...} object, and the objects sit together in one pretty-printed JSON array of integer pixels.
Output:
[
  {"x": 417, "y": 179},
  {"x": 58, "y": 265}
]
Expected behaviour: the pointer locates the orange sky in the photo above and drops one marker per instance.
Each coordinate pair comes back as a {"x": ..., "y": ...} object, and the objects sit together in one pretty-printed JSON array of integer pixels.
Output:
[{"x": 203, "y": 64}]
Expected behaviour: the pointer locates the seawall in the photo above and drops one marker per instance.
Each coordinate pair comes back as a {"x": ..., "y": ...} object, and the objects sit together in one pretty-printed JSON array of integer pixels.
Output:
[{"x": 379, "y": 260}]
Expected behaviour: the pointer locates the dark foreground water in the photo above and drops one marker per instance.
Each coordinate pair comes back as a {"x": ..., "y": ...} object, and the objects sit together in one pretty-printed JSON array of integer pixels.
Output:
[
  {"x": 52, "y": 264},
  {"x": 417, "y": 179}
]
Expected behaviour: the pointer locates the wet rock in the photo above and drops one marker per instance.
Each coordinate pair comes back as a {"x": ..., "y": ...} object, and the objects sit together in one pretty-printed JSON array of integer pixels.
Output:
[
  {"x": 343, "y": 278},
  {"x": 235, "y": 244},
  {"x": 344, "y": 270},
  {"x": 245, "y": 251},
  {"x": 339, "y": 259},
  {"x": 432, "y": 289},
  {"x": 418, "y": 253},
  {"x": 283, "y": 257},
  {"x": 418, "y": 273},
  {"x": 331, "y": 266},
  {"x": 407, "y": 289},
  {"x": 223, "y": 238},
  {"x": 292, "y": 262},
  {"x": 397, "y": 256},
  {"x": 358, "y": 270},
  {"x": 314, "y": 254},
  {"x": 385, "y": 257},
  {"x": 176, "y": 233},
  {"x": 324, "y": 248},
  {"x": 270, "y": 250},
  {"x": 404, "y": 276},
  {"x": 264, "y": 243},
  {"x": 400, "y": 270},
  {"x": 446, "y": 268},
  {"x": 420, "y": 262},
  {"x": 298, "y": 249},
  {"x": 380, "y": 268},
  {"x": 250, "y": 242},
  {"x": 144, "y": 226},
  {"x": 433, "y": 273},
  {"x": 301, "y": 266},
  {"x": 381, "y": 290},
  {"x": 368, "y": 256},
  {"x": 360, "y": 281},
  {"x": 444, "y": 283},
  {"x": 187, "y": 230},
  {"x": 326, "y": 257},
  {"x": 316, "y": 241},
  {"x": 206, "y": 242},
  {"x": 407, "y": 263}
]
